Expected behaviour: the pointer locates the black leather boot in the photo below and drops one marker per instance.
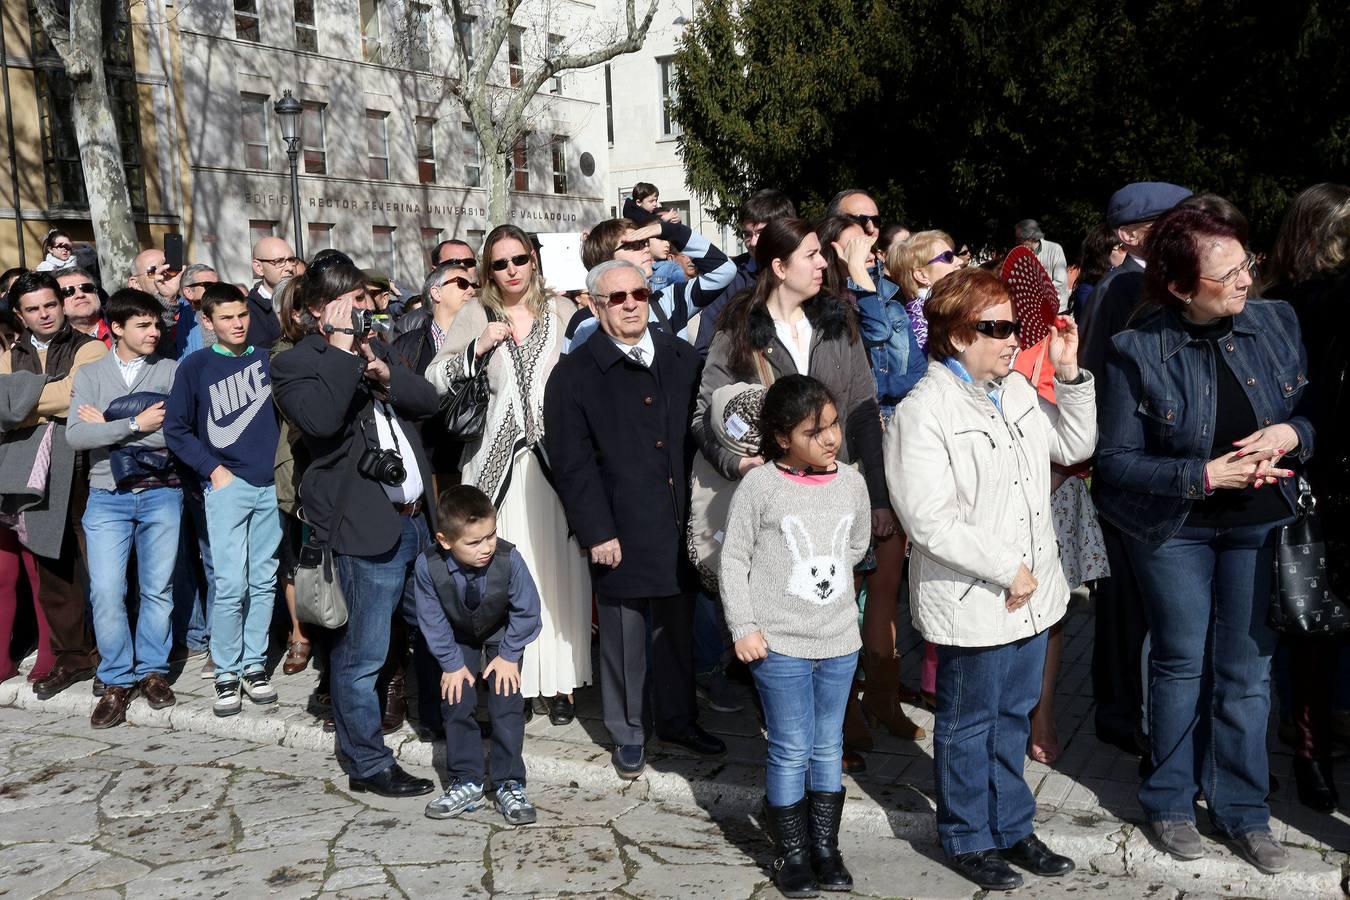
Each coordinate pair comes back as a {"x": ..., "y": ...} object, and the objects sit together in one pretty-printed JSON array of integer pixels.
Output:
[
  {"x": 788, "y": 827},
  {"x": 826, "y": 809},
  {"x": 1316, "y": 789}
]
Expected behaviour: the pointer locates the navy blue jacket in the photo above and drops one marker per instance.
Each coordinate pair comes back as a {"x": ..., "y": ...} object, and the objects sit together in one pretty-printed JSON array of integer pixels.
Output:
[{"x": 1156, "y": 410}]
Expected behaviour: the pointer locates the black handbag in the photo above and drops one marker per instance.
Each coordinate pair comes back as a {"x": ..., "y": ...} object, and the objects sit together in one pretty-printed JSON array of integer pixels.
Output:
[
  {"x": 1302, "y": 601},
  {"x": 464, "y": 410}
]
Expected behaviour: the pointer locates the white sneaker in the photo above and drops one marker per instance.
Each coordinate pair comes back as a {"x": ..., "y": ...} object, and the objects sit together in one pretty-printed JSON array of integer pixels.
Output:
[
  {"x": 228, "y": 702},
  {"x": 258, "y": 688}
]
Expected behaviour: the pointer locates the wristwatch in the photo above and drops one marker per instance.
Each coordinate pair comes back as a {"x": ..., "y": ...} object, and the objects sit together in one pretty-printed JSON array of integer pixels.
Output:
[{"x": 135, "y": 428}]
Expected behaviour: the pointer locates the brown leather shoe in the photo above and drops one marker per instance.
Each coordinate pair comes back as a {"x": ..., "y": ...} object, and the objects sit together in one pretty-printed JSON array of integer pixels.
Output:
[
  {"x": 395, "y": 705},
  {"x": 61, "y": 677},
  {"x": 297, "y": 657},
  {"x": 112, "y": 707},
  {"x": 156, "y": 691}
]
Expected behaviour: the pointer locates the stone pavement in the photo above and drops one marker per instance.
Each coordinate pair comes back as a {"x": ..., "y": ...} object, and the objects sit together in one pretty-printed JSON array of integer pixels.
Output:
[{"x": 254, "y": 805}]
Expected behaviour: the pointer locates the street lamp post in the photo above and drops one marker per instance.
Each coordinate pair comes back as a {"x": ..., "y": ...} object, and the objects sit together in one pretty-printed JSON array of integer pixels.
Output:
[{"x": 288, "y": 110}]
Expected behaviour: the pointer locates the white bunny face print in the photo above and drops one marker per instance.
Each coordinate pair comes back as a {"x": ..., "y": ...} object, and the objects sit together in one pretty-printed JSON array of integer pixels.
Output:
[{"x": 819, "y": 578}]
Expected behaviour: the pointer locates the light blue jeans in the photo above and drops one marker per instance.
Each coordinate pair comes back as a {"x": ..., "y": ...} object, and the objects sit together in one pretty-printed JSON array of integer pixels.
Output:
[
  {"x": 112, "y": 521},
  {"x": 244, "y": 526},
  {"x": 804, "y": 701}
]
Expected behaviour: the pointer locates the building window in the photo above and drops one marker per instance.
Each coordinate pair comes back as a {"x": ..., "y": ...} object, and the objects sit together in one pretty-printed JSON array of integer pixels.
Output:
[
  {"x": 473, "y": 169},
  {"x": 520, "y": 163},
  {"x": 306, "y": 32},
  {"x": 312, "y": 138},
  {"x": 515, "y": 56},
  {"x": 609, "y": 105},
  {"x": 246, "y": 20},
  {"x": 425, "y": 138},
  {"x": 253, "y": 108},
  {"x": 320, "y": 237},
  {"x": 370, "y": 30},
  {"x": 382, "y": 247},
  {"x": 419, "y": 40},
  {"x": 430, "y": 238},
  {"x": 377, "y": 143},
  {"x": 559, "y": 164},
  {"x": 555, "y": 50},
  {"x": 476, "y": 236},
  {"x": 465, "y": 30},
  {"x": 259, "y": 229},
  {"x": 669, "y": 127}
]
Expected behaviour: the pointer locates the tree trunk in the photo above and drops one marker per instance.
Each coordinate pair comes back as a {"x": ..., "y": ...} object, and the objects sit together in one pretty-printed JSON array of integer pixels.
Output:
[{"x": 497, "y": 183}]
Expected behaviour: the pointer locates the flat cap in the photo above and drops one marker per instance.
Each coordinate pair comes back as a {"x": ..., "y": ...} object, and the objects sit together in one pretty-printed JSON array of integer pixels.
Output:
[{"x": 1142, "y": 201}]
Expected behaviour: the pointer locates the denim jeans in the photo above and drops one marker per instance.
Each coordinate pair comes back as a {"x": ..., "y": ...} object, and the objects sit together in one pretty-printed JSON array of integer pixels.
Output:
[
  {"x": 1205, "y": 594},
  {"x": 244, "y": 523},
  {"x": 373, "y": 586},
  {"x": 804, "y": 702},
  {"x": 193, "y": 596},
  {"x": 984, "y": 700},
  {"x": 112, "y": 521}
]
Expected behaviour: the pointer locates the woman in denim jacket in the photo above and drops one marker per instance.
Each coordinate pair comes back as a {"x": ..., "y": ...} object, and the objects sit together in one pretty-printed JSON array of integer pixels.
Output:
[{"x": 1198, "y": 406}]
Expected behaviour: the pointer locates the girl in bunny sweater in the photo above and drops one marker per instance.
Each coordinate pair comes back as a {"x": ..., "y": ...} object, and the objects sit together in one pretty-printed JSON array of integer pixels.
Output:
[{"x": 796, "y": 529}]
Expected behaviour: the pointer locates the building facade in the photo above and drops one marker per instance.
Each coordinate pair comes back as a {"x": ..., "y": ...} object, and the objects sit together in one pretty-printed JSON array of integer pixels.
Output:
[{"x": 389, "y": 165}]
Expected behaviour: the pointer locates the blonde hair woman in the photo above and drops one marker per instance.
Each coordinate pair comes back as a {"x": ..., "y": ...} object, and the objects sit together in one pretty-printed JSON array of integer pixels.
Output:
[
  {"x": 515, "y": 328},
  {"x": 916, "y": 265}
]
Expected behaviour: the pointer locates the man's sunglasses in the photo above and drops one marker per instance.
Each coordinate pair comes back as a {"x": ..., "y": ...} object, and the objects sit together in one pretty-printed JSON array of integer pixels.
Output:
[
  {"x": 946, "y": 256},
  {"x": 635, "y": 246},
  {"x": 619, "y": 298},
  {"x": 198, "y": 284},
  {"x": 161, "y": 270},
  {"x": 462, "y": 283},
  {"x": 71, "y": 290},
  {"x": 467, "y": 262},
  {"x": 499, "y": 265},
  {"x": 859, "y": 219},
  {"x": 998, "y": 329}
]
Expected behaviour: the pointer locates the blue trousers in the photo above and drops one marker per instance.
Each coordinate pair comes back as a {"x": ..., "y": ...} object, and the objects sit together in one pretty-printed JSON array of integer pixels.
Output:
[
  {"x": 804, "y": 701},
  {"x": 243, "y": 522}
]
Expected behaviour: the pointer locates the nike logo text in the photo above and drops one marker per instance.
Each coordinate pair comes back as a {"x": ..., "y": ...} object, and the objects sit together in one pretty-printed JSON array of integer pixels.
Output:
[{"x": 245, "y": 392}]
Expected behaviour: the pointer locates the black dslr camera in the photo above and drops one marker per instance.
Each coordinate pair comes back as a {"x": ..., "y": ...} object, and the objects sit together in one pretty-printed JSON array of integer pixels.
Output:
[
  {"x": 368, "y": 321},
  {"x": 384, "y": 466}
]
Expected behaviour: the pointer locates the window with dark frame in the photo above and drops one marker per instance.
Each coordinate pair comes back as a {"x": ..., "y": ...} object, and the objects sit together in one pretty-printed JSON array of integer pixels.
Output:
[
  {"x": 370, "y": 31},
  {"x": 555, "y": 49},
  {"x": 520, "y": 163},
  {"x": 306, "y": 30},
  {"x": 255, "y": 131},
  {"x": 473, "y": 168},
  {"x": 559, "y": 163},
  {"x": 425, "y": 138},
  {"x": 609, "y": 104},
  {"x": 669, "y": 127},
  {"x": 515, "y": 55},
  {"x": 312, "y": 140},
  {"x": 246, "y": 21}
]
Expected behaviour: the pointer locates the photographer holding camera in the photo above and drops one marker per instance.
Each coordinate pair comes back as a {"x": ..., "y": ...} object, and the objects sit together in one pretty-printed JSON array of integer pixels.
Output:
[{"x": 363, "y": 494}]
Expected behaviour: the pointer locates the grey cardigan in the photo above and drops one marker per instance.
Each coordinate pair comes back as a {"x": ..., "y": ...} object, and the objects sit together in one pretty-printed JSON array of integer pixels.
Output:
[{"x": 99, "y": 384}]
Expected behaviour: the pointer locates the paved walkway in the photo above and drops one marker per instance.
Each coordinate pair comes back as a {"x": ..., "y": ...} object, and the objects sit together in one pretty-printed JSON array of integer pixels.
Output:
[{"x": 1086, "y": 799}]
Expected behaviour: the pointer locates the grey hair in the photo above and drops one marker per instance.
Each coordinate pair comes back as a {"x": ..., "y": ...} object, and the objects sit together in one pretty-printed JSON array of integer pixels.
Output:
[
  {"x": 594, "y": 276},
  {"x": 435, "y": 277},
  {"x": 1028, "y": 230},
  {"x": 192, "y": 271}
]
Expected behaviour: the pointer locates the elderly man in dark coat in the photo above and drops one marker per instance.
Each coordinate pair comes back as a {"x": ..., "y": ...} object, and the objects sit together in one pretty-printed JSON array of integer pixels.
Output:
[{"x": 616, "y": 426}]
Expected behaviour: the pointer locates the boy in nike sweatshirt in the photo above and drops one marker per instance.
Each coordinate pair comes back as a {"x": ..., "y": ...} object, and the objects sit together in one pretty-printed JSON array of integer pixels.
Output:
[{"x": 221, "y": 423}]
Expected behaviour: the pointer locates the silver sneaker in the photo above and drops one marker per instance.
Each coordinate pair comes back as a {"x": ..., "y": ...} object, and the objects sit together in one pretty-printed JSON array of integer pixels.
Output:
[
  {"x": 716, "y": 692},
  {"x": 1262, "y": 850},
  {"x": 459, "y": 797},
  {"x": 514, "y": 806},
  {"x": 258, "y": 688},
  {"x": 1179, "y": 839},
  {"x": 227, "y": 698}
]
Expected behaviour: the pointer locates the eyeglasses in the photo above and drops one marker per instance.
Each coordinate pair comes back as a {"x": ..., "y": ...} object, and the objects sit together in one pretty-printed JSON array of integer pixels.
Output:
[
  {"x": 198, "y": 284},
  {"x": 295, "y": 260},
  {"x": 862, "y": 220},
  {"x": 619, "y": 298},
  {"x": 62, "y": 247},
  {"x": 635, "y": 246},
  {"x": 748, "y": 234},
  {"x": 278, "y": 262},
  {"x": 1228, "y": 279},
  {"x": 946, "y": 256},
  {"x": 998, "y": 329},
  {"x": 499, "y": 265},
  {"x": 71, "y": 290},
  {"x": 467, "y": 262},
  {"x": 164, "y": 271},
  {"x": 462, "y": 283}
]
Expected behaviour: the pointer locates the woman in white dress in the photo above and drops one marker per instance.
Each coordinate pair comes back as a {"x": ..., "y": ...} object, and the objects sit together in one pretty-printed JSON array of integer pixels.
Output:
[{"x": 515, "y": 328}]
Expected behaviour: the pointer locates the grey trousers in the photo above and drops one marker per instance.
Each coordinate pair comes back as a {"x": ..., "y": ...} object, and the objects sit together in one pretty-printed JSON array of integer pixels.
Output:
[{"x": 644, "y": 689}]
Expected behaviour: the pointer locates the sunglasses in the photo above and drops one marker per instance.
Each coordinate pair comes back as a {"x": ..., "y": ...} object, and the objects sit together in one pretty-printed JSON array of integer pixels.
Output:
[
  {"x": 499, "y": 265},
  {"x": 279, "y": 261},
  {"x": 71, "y": 290},
  {"x": 998, "y": 329},
  {"x": 859, "y": 219},
  {"x": 946, "y": 256},
  {"x": 62, "y": 247},
  {"x": 462, "y": 283},
  {"x": 635, "y": 246},
  {"x": 161, "y": 270},
  {"x": 466, "y": 263},
  {"x": 198, "y": 284},
  {"x": 619, "y": 298}
]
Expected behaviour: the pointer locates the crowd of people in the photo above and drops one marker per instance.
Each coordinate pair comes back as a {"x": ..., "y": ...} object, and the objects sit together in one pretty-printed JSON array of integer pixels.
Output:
[{"x": 699, "y": 468}]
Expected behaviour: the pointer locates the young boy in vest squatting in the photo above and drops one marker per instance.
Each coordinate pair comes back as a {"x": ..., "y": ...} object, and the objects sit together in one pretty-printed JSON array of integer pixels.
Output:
[
  {"x": 476, "y": 602},
  {"x": 220, "y": 422}
]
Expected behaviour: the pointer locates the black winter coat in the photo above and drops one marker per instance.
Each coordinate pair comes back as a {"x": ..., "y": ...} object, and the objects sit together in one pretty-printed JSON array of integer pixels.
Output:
[
  {"x": 415, "y": 350},
  {"x": 322, "y": 392},
  {"x": 619, "y": 446}
]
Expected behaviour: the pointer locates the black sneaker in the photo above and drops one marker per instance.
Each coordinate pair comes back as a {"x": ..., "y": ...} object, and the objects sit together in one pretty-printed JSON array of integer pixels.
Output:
[
  {"x": 228, "y": 702},
  {"x": 258, "y": 688}
]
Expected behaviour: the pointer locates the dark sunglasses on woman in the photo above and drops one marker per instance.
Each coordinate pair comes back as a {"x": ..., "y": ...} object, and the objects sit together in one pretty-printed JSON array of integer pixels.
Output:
[
  {"x": 499, "y": 265},
  {"x": 860, "y": 219},
  {"x": 998, "y": 329},
  {"x": 71, "y": 290},
  {"x": 946, "y": 256},
  {"x": 462, "y": 283},
  {"x": 619, "y": 298}
]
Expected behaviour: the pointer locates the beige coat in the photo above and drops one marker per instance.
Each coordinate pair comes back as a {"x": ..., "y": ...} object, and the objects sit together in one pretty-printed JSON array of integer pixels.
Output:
[{"x": 972, "y": 489}]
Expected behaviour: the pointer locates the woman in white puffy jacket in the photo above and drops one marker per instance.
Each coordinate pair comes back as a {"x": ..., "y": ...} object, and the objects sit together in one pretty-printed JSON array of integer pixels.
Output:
[{"x": 968, "y": 469}]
